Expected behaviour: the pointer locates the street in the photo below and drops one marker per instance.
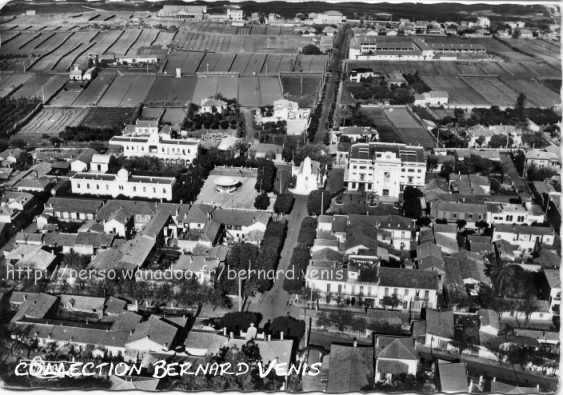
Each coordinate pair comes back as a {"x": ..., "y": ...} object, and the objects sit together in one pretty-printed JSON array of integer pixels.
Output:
[{"x": 274, "y": 303}]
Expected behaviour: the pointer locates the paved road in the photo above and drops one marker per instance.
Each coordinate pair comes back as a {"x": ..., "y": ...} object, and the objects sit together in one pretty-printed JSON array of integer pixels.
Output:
[
  {"x": 330, "y": 98},
  {"x": 274, "y": 303}
]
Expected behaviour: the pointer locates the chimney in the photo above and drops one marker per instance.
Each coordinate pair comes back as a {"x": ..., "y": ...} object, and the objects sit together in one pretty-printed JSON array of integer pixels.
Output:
[
  {"x": 178, "y": 72},
  {"x": 269, "y": 337},
  {"x": 355, "y": 344},
  {"x": 225, "y": 331},
  {"x": 281, "y": 335},
  {"x": 232, "y": 335}
]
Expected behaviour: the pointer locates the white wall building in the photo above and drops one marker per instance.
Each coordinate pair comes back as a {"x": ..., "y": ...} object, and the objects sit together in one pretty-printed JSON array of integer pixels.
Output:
[
  {"x": 384, "y": 168},
  {"x": 432, "y": 99},
  {"x": 124, "y": 184},
  {"x": 297, "y": 119},
  {"x": 308, "y": 177},
  {"x": 524, "y": 237},
  {"x": 144, "y": 139}
]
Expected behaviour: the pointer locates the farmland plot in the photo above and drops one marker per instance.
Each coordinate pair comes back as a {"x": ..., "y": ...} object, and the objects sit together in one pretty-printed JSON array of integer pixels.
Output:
[
  {"x": 494, "y": 91},
  {"x": 188, "y": 62},
  {"x": 171, "y": 91},
  {"x": 75, "y": 41},
  {"x": 303, "y": 89},
  {"x": 51, "y": 121},
  {"x": 228, "y": 87},
  {"x": 146, "y": 37},
  {"x": 65, "y": 98},
  {"x": 103, "y": 41},
  {"x": 163, "y": 39},
  {"x": 536, "y": 94},
  {"x": 39, "y": 85},
  {"x": 7, "y": 35},
  {"x": 48, "y": 42},
  {"x": 205, "y": 87},
  {"x": 542, "y": 69},
  {"x": 248, "y": 63},
  {"x": 95, "y": 90},
  {"x": 459, "y": 92},
  {"x": 125, "y": 41},
  {"x": 249, "y": 92},
  {"x": 108, "y": 117},
  {"x": 127, "y": 90},
  {"x": 270, "y": 89},
  {"x": 9, "y": 82},
  {"x": 216, "y": 62},
  {"x": 14, "y": 45},
  {"x": 278, "y": 64}
]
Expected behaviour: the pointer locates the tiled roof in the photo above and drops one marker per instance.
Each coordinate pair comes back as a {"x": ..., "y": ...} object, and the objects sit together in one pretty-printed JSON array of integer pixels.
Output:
[
  {"x": 351, "y": 368},
  {"x": 440, "y": 323}
]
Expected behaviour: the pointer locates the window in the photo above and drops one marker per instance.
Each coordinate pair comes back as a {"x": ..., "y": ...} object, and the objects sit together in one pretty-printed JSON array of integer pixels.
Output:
[
  {"x": 87, "y": 186},
  {"x": 509, "y": 217}
]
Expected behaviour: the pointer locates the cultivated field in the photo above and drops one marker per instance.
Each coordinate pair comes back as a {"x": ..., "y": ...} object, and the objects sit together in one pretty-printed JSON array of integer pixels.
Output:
[
  {"x": 171, "y": 91},
  {"x": 202, "y": 41},
  {"x": 163, "y": 39},
  {"x": 102, "y": 41},
  {"x": 127, "y": 90},
  {"x": 62, "y": 56},
  {"x": 537, "y": 95},
  {"x": 146, "y": 38},
  {"x": 40, "y": 86},
  {"x": 188, "y": 62},
  {"x": 108, "y": 117},
  {"x": 493, "y": 90},
  {"x": 549, "y": 51},
  {"x": 65, "y": 98},
  {"x": 50, "y": 122},
  {"x": 125, "y": 42},
  {"x": 216, "y": 62},
  {"x": 302, "y": 88},
  {"x": 214, "y": 27},
  {"x": 460, "y": 94},
  {"x": 95, "y": 90},
  {"x": 248, "y": 63},
  {"x": 9, "y": 82}
]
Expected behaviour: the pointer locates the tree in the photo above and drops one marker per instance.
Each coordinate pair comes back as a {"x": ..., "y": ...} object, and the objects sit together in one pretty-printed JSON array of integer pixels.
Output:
[
  {"x": 311, "y": 49},
  {"x": 262, "y": 201},
  {"x": 411, "y": 202},
  {"x": 284, "y": 203},
  {"x": 499, "y": 141},
  {"x": 315, "y": 199},
  {"x": 266, "y": 176}
]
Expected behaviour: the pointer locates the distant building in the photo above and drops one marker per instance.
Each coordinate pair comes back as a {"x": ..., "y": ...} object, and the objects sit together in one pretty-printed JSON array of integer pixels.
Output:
[
  {"x": 548, "y": 157},
  {"x": 210, "y": 105},
  {"x": 362, "y": 73},
  {"x": 122, "y": 183},
  {"x": 329, "y": 18},
  {"x": 431, "y": 99},
  {"x": 308, "y": 177},
  {"x": 526, "y": 238},
  {"x": 195, "y": 12},
  {"x": 296, "y": 118}
]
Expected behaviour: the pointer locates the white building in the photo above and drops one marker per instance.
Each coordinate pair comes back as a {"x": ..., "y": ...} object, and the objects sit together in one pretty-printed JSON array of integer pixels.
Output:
[
  {"x": 384, "y": 168},
  {"x": 123, "y": 184},
  {"x": 235, "y": 14},
  {"x": 404, "y": 288},
  {"x": 308, "y": 177},
  {"x": 480, "y": 136},
  {"x": 210, "y": 105},
  {"x": 144, "y": 139},
  {"x": 329, "y": 18},
  {"x": 526, "y": 238},
  {"x": 483, "y": 22},
  {"x": 432, "y": 99},
  {"x": 549, "y": 157},
  {"x": 509, "y": 213}
]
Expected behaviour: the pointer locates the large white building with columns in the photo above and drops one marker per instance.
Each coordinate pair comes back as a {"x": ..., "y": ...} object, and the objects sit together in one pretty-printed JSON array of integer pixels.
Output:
[
  {"x": 145, "y": 139},
  {"x": 384, "y": 168}
]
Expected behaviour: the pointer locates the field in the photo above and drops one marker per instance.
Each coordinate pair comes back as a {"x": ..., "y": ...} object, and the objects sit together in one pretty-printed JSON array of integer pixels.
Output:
[
  {"x": 108, "y": 117},
  {"x": 460, "y": 94},
  {"x": 303, "y": 89},
  {"x": 311, "y": 63},
  {"x": 102, "y": 41},
  {"x": 397, "y": 124},
  {"x": 548, "y": 51},
  {"x": 248, "y": 63},
  {"x": 62, "y": 56},
  {"x": 40, "y": 85},
  {"x": 216, "y": 62},
  {"x": 250, "y": 91},
  {"x": 188, "y": 62},
  {"x": 215, "y": 42},
  {"x": 51, "y": 121},
  {"x": 125, "y": 42},
  {"x": 145, "y": 39},
  {"x": 215, "y": 27},
  {"x": 493, "y": 90},
  {"x": 9, "y": 82},
  {"x": 127, "y": 90},
  {"x": 95, "y": 90}
]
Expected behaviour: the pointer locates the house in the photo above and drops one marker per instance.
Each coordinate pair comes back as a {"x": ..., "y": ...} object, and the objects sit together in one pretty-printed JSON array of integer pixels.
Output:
[
  {"x": 549, "y": 157},
  {"x": 10, "y": 156},
  {"x": 34, "y": 306},
  {"x": 329, "y": 18},
  {"x": 554, "y": 285},
  {"x": 29, "y": 256},
  {"x": 123, "y": 183},
  {"x": 88, "y": 243},
  {"x": 429, "y": 257},
  {"x": 527, "y": 238},
  {"x": 432, "y": 98},
  {"x": 394, "y": 356},
  {"x": 354, "y": 134},
  {"x": 152, "y": 335},
  {"x": 13, "y": 204},
  {"x": 200, "y": 267},
  {"x": 452, "y": 212},
  {"x": 210, "y": 105},
  {"x": 439, "y": 329},
  {"x": 82, "y": 161},
  {"x": 453, "y": 377},
  {"x": 100, "y": 163},
  {"x": 469, "y": 184},
  {"x": 489, "y": 323},
  {"x": 72, "y": 209},
  {"x": 296, "y": 118},
  {"x": 361, "y": 73},
  {"x": 480, "y": 136},
  {"x": 119, "y": 222},
  {"x": 82, "y": 304},
  {"x": 75, "y": 73},
  {"x": 308, "y": 177},
  {"x": 510, "y": 213},
  {"x": 351, "y": 368}
]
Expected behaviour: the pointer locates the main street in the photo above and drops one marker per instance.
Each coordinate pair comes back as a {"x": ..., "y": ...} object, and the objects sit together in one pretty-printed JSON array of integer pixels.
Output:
[{"x": 275, "y": 302}]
